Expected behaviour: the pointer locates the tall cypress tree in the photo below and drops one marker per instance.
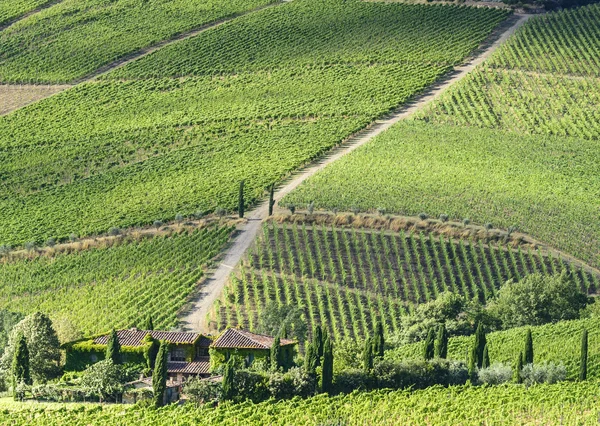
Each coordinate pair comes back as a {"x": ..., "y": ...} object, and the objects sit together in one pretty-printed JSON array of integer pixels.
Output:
[
  {"x": 584, "y": 356},
  {"x": 528, "y": 353},
  {"x": 368, "y": 355},
  {"x": 113, "y": 348},
  {"x": 318, "y": 341},
  {"x": 480, "y": 342},
  {"x": 151, "y": 350},
  {"x": 486, "y": 357},
  {"x": 310, "y": 360},
  {"x": 441, "y": 342},
  {"x": 517, "y": 378},
  {"x": 276, "y": 354},
  {"x": 327, "y": 369},
  {"x": 20, "y": 365},
  {"x": 271, "y": 199},
  {"x": 472, "y": 367},
  {"x": 159, "y": 377},
  {"x": 241, "y": 200},
  {"x": 228, "y": 375},
  {"x": 379, "y": 342},
  {"x": 428, "y": 349}
]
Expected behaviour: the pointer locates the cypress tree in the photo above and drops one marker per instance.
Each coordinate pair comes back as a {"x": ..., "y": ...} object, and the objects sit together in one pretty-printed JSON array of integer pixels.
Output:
[
  {"x": 241, "y": 200},
  {"x": 528, "y": 354},
  {"x": 147, "y": 324},
  {"x": 441, "y": 342},
  {"x": 318, "y": 341},
  {"x": 517, "y": 378},
  {"x": 584, "y": 356},
  {"x": 311, "y": 360},
  {"x": 151, "y": 350},
  {"x": 486, "y": 357},
  {"x": 327, "y": 369},
  {"x": 20, "y": 364},
  {"x": 276, "y": 354},
  {"x": 428, "y": 349},
  {"x": 480, "y": 342},
  {"x": 159, "y": 377},
  {"x": 228, "y": 389},
  {"x": 379, "y": 342},
  {"x": 472, "y": 368},
  {"x": 368, "y": 355},
  {"x": 113, "y": 348},
  {"x": 271, "y": 199}
]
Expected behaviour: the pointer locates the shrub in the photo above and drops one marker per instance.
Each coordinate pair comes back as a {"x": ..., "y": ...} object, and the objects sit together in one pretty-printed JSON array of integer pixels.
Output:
[
  {"x": 352, "y": 379},
  {"x": 219, "y": 211},
  {"x": 51, "y": 242},
  {"x": 178, "y": 218},
  {"x": 419, "y": 374},
  {"x": 543, "y": 373},
  {"x": 466, "y": 221},
  {"x": 157, "y": 224},
  {"x": 292, "y": 208},
  {"x": 444, "y": 217},
  {"x": 203, "y": 391},
  {"x": 250, "y": 384},
  {"x": 423, "y": 216},
  {"x": 311, "y": 208},
  {"x": 496, "y": 374},
  {"x": 73, "y": 237},
  {"x": 114, "y": 231}
]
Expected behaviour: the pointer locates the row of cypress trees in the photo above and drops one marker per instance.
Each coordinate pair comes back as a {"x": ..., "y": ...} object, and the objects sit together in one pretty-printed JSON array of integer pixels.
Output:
[
  {"x": 374, "y": 347},
  {"x": 436, "y": 344},
  {"x": 320, "y": 352}
]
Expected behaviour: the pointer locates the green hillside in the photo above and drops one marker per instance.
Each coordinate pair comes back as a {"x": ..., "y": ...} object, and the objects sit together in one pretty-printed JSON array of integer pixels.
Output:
[{"x": 13, "y": 9}]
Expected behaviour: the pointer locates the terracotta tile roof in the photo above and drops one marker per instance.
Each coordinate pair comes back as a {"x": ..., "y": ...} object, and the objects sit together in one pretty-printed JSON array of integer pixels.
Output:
[
  {"x": 134, "y": 337},
  {"x": 233, "y": 338},
  {"x": 201, "y": 366}
]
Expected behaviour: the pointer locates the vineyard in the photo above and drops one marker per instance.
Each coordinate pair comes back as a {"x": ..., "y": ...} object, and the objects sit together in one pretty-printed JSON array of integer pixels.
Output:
[
  {"x": 74, "y": 38},
  {"x": 113, "y": 285},
  {"x": 153, "y": 148},
  {"x": 559, "y": 342},
  {"x": 347, "y": 278},
  {"x": 562, "y": 403},
  {"x": 13, "y": 9},
  {"x": 545, "y": 80},
  {"x": 546, "y": 187}
]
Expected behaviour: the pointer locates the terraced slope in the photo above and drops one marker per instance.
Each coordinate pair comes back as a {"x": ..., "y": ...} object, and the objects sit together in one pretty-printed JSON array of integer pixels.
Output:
[
  {"x": 127, "y": 152},
  {"x": 347, "y": 278},
  {"x": 113, "y": 285},
  {"x": 13, "y": 9},
  {"x": 74, "y": 38}
]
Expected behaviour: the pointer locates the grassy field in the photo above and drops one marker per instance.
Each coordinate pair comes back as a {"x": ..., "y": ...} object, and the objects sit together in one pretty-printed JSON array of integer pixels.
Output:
[
  {"x": 346, "y": 279},
  {"x": 560, "y": 343},
  {"x": 563, "y": 403},
  {"x": 112, "y": 285},
  {"x": 126, "y": 152},
  {"x": 74, "y": 38}
]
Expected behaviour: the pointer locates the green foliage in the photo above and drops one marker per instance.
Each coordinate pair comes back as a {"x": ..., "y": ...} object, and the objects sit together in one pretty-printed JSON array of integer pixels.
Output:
[
  {"x": 113, "y": 348},
  {"x": 317, "y": 341},
  {"x": 276, "y": 319},
  {"x": 20, "y": 366},
  {"x": 42, "y": 345},
  {"x": 203, "y": 391},
  {"x": 103, "y": 379},
  {"x": 147, "y": 324},
  {"x": 441, "y": 342},
  {"x": 528, "y": 348},
  {"x": 276, "y": 355},
  {"x": 39, "y": 49},
  {"x": 547, "y": 197},
  {"x": 419, "y": 374},
  {"x": 537, "y": 300},
  {"x": 311, "y": 359},
  {"x": 11, "y": 10},
  {"x": 429, "y": 345},
  {"x": 368, "y": 353},
  {"x": 584, "y": 356},
  {"x": 486, "y": 357},
  {"x": 109, "y": 286},
  {"x": 479, "y": 345},
  {"x": 151, "y": 350},
  {"x": 228, "y": 381},
  {"x": 327, "y": 367},
  {"x": 379, "y": 340},
  {"x": 543, "y": 373},
  {"x": 241, "y": 200},
  {"x": 8, "y": 320},
  {"x": 159, "y": 376}
]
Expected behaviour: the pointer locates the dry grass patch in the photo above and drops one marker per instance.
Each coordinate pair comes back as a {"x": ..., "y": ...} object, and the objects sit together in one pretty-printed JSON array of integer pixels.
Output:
[{"x": 16, "y": 96}]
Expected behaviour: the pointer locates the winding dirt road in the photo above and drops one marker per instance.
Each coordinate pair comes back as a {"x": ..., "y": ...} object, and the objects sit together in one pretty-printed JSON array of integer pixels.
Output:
[{"x": 193, "y": 318}]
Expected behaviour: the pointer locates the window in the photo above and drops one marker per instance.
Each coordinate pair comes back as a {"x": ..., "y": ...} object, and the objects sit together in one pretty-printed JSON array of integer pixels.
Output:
[
  {"x": 201, "y": 351},
  {"x": 177, "y": 354}
]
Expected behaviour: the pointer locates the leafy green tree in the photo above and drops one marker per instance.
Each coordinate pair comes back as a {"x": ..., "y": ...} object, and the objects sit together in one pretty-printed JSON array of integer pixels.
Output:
[
  {"x": 528, "y": 352},
  {"x": 327, "y": 368},
  {"x": 441, "y": 342},
  {"x": 379, "y": 340},
  {"x": 486, "y": 357},
  {"x": 518, "y": 368},
  {"x": 480, "y": 343},
  {"x": 8, "y": 320},
  {"x": 152, "y": 346},
  {"x": 228, "y": 380},
  {"x": 104, "y": 379},
  {"x": 276, "y": 319},
  {"x": 113, "y": 348},
  {"x": 159, "y": 377},
  {"x": 43, "y": 346},
  {"x": 584, "y": 356},
  {"x": 241, "y": 200},
  {"x": 368, "y": 355},
  {"x": 147, "y": 323},
  {"x": 20, "y": 365},
  {"x": 276, "y": 355},
  {"x": 429, "y": 348}
]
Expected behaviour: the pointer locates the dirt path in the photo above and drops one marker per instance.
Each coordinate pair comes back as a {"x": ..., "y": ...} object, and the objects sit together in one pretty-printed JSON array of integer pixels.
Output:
[
  {"x": 194, "y": 317},
  {"x": 14, "y": 104},
  {"x": 28, "y": 14}
]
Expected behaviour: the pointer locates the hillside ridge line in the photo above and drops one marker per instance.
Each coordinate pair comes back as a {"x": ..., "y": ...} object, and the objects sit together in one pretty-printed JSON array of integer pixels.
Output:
[{"x": 194, "y": 316}]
